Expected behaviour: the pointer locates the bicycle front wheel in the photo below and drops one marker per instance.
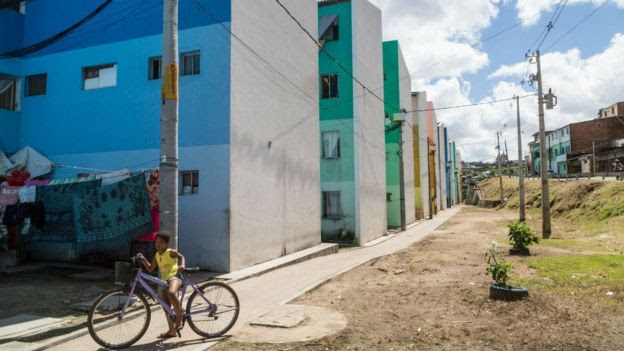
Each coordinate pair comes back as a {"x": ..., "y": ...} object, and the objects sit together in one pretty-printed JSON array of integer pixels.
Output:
[
  {"x": 213, "y": 312},
  {"x": 118, "y": 319}
]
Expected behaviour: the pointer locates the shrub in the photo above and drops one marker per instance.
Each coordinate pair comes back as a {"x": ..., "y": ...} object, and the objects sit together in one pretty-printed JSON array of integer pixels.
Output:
[
  {"x": 521, "y": 235},
  {"x": 497, "y": 267}
]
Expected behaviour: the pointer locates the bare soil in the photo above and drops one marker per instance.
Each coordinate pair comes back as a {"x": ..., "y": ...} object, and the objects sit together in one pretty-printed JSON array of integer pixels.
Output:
[
  {"x": 434, "y": 296},
  {"x": 48, "y": 292}
]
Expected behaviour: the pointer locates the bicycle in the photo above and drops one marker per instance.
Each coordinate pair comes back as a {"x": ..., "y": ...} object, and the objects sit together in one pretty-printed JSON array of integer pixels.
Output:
[{"x": 120, "y": 317}]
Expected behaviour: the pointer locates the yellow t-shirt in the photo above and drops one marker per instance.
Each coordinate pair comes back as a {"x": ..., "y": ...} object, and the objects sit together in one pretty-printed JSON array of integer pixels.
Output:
[{"x": 167, "y": 266}]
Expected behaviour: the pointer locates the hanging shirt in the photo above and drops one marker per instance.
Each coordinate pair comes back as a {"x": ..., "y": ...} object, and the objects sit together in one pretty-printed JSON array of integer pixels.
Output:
[{"x": 167, "y": 266}]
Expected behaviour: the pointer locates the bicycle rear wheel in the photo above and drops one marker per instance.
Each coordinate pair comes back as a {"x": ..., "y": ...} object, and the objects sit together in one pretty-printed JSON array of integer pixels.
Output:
[
  {"x": 214, "y": 313},
  {"x": 106, "y": 325}
]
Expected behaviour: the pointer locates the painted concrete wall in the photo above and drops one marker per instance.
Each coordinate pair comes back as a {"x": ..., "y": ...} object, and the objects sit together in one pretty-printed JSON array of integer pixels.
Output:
[
  {"x": 419, "y": 102},
  {"x": 370, "y": 176},
  {"x": 441, "y": 167},
  {"x": 274, "y": 188},
  {"x": 405, "y": 100},
  {"x": 337, "y": 114}
]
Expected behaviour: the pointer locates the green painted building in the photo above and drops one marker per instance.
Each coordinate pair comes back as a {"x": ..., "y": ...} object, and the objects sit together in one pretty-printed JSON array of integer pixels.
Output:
[
  {"x": 351, "y": 122},
  {"x": 398, "y": 131}
]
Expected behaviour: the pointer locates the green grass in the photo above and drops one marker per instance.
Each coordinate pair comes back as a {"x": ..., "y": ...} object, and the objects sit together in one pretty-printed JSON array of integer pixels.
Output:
[{"x": 581, "y": 271}]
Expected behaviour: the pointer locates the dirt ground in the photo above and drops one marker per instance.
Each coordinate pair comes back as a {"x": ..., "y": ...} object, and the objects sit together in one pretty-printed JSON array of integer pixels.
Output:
[
  {"x": 48, "y": 292},
  {"x": 434, "y": 296}
]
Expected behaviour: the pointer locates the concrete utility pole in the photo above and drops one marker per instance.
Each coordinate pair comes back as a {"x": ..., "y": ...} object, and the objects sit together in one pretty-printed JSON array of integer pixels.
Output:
[
  {"x": 520, "y": 164},
  {"x": 169, "y": 123},
  {"x": 498, "y": 161},
  {"x": 546, "y": 226},
  {"x": 429, "y": 175}
]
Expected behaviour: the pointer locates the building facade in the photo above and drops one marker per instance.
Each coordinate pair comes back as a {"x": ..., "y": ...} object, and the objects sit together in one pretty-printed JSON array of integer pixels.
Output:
[
  {"x": 91, "y": 100},
  {"x": 421, "y": 154},
  {"x": 616, "y": 109},
  {"x": 353, "y": 179},
  {"x": 398, "y": 136}
]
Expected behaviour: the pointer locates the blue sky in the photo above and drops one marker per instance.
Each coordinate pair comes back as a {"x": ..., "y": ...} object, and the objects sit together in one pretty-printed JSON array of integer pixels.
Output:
[{"x": 580, "y": 68}]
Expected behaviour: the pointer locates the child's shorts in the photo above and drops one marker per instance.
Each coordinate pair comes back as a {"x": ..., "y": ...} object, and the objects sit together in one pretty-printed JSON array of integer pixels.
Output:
[{"x": 161, "y": 288}]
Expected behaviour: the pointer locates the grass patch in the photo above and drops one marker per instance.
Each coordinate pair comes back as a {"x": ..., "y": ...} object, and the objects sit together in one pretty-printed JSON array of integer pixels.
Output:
[{"x": 581, "y": 271}]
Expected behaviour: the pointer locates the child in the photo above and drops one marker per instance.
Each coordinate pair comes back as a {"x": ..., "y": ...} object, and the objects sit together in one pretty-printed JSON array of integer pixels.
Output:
[{"x": 170, "y": 265}]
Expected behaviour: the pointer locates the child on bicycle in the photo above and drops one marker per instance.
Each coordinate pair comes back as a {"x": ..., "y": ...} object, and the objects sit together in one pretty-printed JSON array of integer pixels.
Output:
[{"x": 170, "y": 265}]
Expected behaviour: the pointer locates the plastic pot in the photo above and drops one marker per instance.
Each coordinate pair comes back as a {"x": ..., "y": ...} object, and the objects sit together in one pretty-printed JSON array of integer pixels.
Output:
[{"x": 507, "y": 293}]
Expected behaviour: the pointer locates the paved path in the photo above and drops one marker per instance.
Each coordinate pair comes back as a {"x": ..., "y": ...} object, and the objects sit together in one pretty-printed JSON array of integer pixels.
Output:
[{"x": 258, "y": 294}]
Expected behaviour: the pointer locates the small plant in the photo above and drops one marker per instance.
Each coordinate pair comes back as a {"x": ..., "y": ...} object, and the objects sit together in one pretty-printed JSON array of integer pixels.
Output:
[
  {"x": 521, "y": 235},
  {"x": 497, "y": 267}
]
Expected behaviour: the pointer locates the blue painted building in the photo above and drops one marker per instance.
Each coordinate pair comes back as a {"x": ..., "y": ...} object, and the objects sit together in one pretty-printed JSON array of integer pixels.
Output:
[{"x": 91, "y": 100}]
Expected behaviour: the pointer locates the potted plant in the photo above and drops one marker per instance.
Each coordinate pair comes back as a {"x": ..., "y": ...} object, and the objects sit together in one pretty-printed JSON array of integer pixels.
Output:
[
  {"x": 520, "y": 237},
  {"x": 499, "y": 269}
]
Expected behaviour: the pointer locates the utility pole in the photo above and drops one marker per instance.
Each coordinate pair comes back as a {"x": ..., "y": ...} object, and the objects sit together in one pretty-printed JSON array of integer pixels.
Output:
[
  {"x": 520, "y": 164},
  {"x": 429, "y": 175},
  {"x": 169, "y": 123},
  {"x": 546, "y": 226},
  {"x": 498, "y": 161}
]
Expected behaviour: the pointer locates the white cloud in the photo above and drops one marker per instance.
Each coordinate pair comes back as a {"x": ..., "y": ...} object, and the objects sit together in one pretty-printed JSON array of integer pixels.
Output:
[
  {"x": 582, "y": 85},
  {"x": 528, "y": 10},
  {"x": 431, "y": 31}
]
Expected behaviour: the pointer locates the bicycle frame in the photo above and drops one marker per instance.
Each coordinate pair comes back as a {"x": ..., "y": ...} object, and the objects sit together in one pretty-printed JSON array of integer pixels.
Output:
[{"x": 142, "y": 280}]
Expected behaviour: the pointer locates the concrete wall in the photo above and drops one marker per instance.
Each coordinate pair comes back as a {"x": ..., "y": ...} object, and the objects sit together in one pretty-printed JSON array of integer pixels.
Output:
[
  {"x": 405, "y": 98},
  {"x": 419, "y": 102},
  {"x": 441, "y": 167},
  {"x": 337, "y": 114},
  {"x": 370, "y": 176},
  {"x": 274, "y": 156}
]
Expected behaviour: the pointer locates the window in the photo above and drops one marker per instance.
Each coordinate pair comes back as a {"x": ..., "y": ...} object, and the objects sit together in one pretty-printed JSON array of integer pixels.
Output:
[
  {"x": 388, "y": 197},
  {"x": 154, "y": 68},
  {"x": 330, "y": 86},
  {"x": 332, "y": 32},
  {"x": 190, "y": 182},
  {"x": 36, "y": 84},
  {"x": 190, "y": 63},
  {"x": 8, "y": 93},
  {"x": 331, "y": 204},
  {"x": 11, "y": 5},
  {"x": 97, "y": 77},
  {"x": 331, "y": 144}
]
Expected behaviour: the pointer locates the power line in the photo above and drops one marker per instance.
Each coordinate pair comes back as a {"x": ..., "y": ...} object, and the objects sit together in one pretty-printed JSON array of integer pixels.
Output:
[
  {"x": 553, "y": 21},
  {"x": 470, "y": 105},
  {"x": 576, "y": 25},
  {"x": 55, "y": 38}
]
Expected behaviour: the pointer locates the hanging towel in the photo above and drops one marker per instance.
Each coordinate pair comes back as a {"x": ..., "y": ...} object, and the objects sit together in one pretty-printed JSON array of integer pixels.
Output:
[
  {"x": 114, "y": 177},
  {"x": 112, "y": 216},
  {"x": 59, "y": 210},
  {"x": 9, "y": 195},
  {"x": 27, "y": 194},
  {"x": 4, "y": 233}
]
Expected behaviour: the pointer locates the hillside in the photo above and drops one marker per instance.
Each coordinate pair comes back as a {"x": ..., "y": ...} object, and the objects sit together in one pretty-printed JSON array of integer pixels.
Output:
[{"x": 579, "y": 207}]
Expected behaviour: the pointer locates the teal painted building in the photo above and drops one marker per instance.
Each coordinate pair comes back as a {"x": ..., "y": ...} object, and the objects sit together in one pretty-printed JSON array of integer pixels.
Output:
[{"x": 351, "y": 122}]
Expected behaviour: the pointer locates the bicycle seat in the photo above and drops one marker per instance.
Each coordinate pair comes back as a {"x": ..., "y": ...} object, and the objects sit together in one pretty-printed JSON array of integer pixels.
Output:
[{"x": 191, "y": 269}]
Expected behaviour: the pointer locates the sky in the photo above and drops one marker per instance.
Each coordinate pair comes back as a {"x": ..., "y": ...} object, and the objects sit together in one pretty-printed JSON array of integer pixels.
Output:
[{"x": 472, "y": 51}]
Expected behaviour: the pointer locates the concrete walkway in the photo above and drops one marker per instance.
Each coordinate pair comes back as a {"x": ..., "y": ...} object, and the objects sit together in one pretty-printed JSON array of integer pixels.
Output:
[{"x": 259, "y": 294}]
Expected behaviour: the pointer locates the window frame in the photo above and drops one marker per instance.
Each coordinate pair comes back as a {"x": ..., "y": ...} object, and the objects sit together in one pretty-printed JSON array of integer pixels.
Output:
[
  {"x": 325, "y": 152},
  {"x": 13, "y": 93},
  {"x": 194, "y": 182},
  {"x": 27, "y": 90},
  {"x": 150, "y": 67},
  {"x": 193, "y": 54},
  {"x": 329, "y": 86},
  {"x": 326, "y": 198},
  {"x": 87, "y": 69}
]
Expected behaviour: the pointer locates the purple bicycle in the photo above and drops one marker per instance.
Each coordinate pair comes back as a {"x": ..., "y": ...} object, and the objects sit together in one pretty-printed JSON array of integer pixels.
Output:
[{"x": 120, "y": 317}]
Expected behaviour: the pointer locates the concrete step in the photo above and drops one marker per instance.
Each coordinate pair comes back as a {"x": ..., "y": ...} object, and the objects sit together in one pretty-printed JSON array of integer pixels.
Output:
[{"x": 294, "y": 258}]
